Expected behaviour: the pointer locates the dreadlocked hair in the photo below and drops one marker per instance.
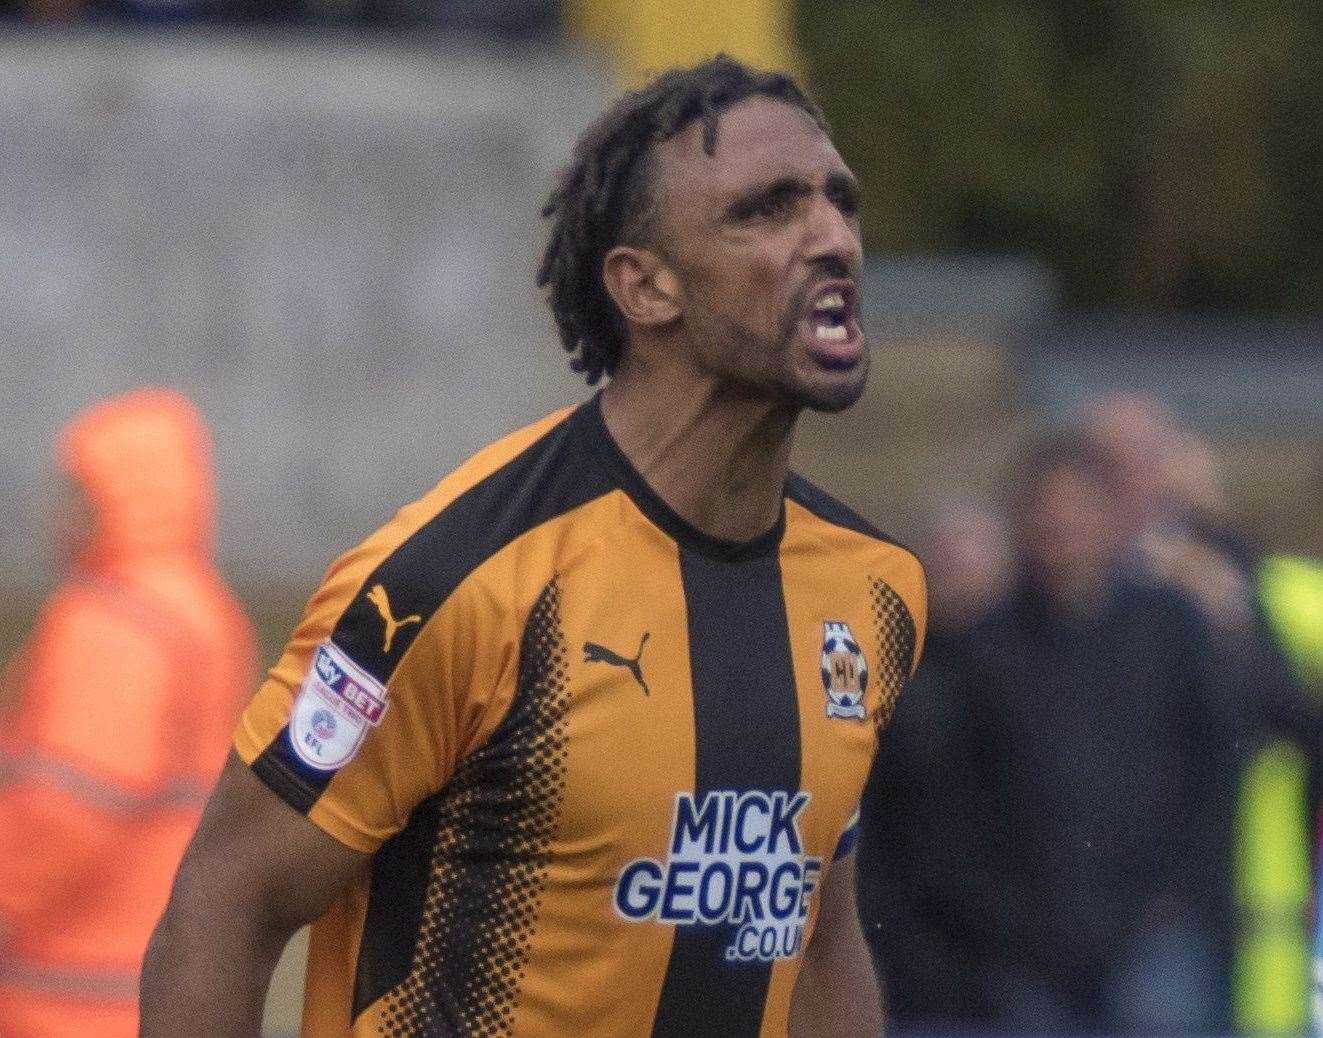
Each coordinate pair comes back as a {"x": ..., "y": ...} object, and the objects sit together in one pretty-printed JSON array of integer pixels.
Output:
[{"x": 604, "y": 198}]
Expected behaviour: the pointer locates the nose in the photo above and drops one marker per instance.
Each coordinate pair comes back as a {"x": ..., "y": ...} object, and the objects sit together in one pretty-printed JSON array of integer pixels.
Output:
[{"x": 831, "y": 235}]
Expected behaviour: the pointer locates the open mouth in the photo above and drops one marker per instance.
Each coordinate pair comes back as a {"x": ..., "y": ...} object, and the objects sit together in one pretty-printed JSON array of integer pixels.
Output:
[
  {"x": 830, "y": 315},
  {"x": 832, "y": 326}
]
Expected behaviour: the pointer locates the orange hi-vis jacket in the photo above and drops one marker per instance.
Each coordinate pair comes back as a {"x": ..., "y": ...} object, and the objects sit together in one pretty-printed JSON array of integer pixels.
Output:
[{"x": 121, "y": 707}]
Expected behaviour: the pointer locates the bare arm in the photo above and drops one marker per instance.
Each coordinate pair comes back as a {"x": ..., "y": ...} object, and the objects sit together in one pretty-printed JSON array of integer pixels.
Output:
[
  {"x": 837, "y": 993},
  {"x": 255, "y": 872}
]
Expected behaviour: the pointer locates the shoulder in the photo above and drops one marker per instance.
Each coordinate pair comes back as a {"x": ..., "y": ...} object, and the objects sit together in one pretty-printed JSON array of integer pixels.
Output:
[
  {"x": 1149, "y": 598},
  {"x": 93, "y": 615},
  {"x": 1161, "y": 611},
  {"x": 895, "y": 576},
  {"x": 845, "y": 527},
  {"x": 1288, "y": 575},
  {"x": 411, "y": 566},
  {"x": 94, "y": 679},
  {"x": 512, "y": 484}
]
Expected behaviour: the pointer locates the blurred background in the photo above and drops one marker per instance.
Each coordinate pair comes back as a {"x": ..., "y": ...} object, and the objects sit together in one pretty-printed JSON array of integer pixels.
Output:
[{"x": 1094, "y": 289}]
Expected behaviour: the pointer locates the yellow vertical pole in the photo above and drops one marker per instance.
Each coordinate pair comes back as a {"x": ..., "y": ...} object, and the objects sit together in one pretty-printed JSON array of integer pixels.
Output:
[
  {"x": 648, "y": 36},
  {"x": 1272, "y": 975}
]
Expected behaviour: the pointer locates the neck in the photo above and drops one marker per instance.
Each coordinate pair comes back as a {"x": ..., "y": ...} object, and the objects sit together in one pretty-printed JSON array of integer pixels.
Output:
[
  {"x": 1082, "y": 598},
  {"x": 717, "y": 457}
]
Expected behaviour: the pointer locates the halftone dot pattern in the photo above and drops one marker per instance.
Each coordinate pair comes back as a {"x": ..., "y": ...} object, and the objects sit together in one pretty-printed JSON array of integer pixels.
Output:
[
  {"x": 488, "y": 870},
  {"x": 895, "y": 640}
]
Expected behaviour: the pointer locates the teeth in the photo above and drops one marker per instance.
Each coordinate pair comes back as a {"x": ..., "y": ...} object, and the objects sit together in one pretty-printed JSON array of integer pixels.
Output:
[
  {"x": 832, "y": 332},
  {"x": 832, "y": 301}
]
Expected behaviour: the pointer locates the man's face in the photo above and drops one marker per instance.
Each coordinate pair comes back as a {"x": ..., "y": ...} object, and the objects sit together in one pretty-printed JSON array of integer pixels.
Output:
[
  {"x": 1070, "y": 538},
  {"x": 763, "y": 237}
]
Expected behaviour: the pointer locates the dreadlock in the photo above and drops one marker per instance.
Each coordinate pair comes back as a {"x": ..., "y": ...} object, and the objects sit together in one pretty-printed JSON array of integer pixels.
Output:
[{"x": 604, "y": 198}]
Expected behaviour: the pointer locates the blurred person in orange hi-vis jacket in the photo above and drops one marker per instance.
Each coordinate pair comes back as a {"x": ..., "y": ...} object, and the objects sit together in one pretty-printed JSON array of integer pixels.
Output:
[{"x": 121, "y": 707}]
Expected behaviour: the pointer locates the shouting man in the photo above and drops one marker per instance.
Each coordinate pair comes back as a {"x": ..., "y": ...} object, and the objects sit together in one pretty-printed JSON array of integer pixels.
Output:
[{"x": 574, "y": 745}]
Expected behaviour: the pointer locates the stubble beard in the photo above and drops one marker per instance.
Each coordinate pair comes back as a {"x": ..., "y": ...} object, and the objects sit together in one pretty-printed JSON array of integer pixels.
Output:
[
  {"x": 836, "y": 394},
  {"x": 758, "y": 366},
  {"x": 839, "y": 396}
]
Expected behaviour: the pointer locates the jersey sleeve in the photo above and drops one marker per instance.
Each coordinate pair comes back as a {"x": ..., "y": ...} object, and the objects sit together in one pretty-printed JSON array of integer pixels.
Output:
[
  {"x": 900, "y": 601},
  {"x": 371, "y": 707},
  {"x": 849, "y": 839},
  {"x": 918, "y": 603}
]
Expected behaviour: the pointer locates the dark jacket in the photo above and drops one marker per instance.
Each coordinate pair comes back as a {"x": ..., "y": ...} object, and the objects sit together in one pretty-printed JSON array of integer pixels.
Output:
[
  {"x": 922, "y": 877},
  {"x": 1111, "y": 745},
  {"x": 1051, "y": 788}
]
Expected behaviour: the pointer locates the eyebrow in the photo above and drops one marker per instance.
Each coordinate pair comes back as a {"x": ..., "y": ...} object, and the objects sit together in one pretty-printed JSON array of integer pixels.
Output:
[
  {"x": 843, "y": 185},
  {"x": 784, "y": 188},
  {"x": 838, "y": 185}
]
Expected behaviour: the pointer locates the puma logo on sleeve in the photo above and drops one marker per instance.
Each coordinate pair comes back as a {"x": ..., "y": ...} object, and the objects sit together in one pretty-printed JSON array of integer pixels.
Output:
[{"x": 378, "y": 597}]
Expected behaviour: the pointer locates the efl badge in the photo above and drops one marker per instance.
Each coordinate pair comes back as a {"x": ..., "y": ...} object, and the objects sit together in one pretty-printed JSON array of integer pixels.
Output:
[
  {"x": 335, "y": 709},
  {"x": 844, "y": 671}
]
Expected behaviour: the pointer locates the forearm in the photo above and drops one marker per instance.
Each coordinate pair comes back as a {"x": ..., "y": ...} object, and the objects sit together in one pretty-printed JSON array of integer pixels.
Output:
[
  {"x": 205, "y": 977},
  {"x": 255, "y": 872},
  {"x": 837, "y": 1000},
  {"x": 837, "y": 994}
]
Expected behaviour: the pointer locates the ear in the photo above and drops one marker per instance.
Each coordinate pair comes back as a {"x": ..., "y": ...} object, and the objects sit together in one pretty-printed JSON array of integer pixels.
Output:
[{"x": 642, "y": 285}]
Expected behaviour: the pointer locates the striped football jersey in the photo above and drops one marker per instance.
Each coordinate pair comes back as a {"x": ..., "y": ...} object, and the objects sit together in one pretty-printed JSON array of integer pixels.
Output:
[{"x": 603, "y": 761}]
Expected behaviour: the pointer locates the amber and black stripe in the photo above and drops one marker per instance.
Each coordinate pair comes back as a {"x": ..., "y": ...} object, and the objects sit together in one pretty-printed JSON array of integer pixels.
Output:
[
  {"x": 454, "y": 897},
  {"x": 746, "y": 723},
  {"x": 552, "y": 477}
]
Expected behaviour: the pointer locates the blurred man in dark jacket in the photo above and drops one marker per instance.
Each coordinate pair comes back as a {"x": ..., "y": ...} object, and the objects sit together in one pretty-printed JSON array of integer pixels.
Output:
[
  {"x": 1052, "y": 813},
  {"x": 1171, "y": 492},
  {"x": 1110, "y": 744}
]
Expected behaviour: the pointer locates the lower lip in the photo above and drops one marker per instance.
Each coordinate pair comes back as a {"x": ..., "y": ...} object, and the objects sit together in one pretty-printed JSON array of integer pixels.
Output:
[{"x": 841, "y": 354}]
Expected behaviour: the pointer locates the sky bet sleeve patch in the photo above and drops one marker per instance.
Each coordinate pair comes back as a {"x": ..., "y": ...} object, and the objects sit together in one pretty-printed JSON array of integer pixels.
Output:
[{"x": 336, "y": 705}]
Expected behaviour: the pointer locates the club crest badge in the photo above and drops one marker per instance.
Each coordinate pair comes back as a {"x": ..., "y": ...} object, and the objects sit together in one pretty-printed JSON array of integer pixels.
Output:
[{"x": 844, "y": 671}]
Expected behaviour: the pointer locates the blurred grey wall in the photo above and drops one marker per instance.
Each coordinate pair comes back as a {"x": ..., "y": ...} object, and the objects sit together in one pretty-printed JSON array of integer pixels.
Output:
[{"x": 330, "y": 248}]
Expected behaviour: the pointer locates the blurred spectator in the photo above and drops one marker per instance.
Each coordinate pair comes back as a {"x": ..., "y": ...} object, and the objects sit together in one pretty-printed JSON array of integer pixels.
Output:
[
  {"x": 1291, "y": 587},
  {"x": 126, "y": 695},
  {"x": 1109, "y": 741},
  {"x": 1132, "y": 431},
  {"x": 1273, "y": 977},
  {"x": 970, "y": 570},
  {"x": 1171, "y": 502},
  {"x": 1063, "y": 837},
  {"x": 1171, "y": 489},
  {"x": 921, "y": 884}
]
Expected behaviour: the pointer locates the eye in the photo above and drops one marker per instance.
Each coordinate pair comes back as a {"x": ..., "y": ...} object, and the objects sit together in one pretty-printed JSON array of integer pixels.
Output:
[
  {"x": 770, "y": 207},
  {"x": 773, "y": 202},
  {"x": 847, "y": 202}
]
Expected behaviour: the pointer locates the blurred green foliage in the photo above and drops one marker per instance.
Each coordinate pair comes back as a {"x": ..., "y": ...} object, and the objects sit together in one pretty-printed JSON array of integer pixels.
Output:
[{"x": 1159, "y": 155}]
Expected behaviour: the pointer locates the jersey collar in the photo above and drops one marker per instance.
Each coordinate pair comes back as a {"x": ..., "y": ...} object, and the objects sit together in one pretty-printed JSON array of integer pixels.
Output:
[{"x": 662, "y": 515}]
